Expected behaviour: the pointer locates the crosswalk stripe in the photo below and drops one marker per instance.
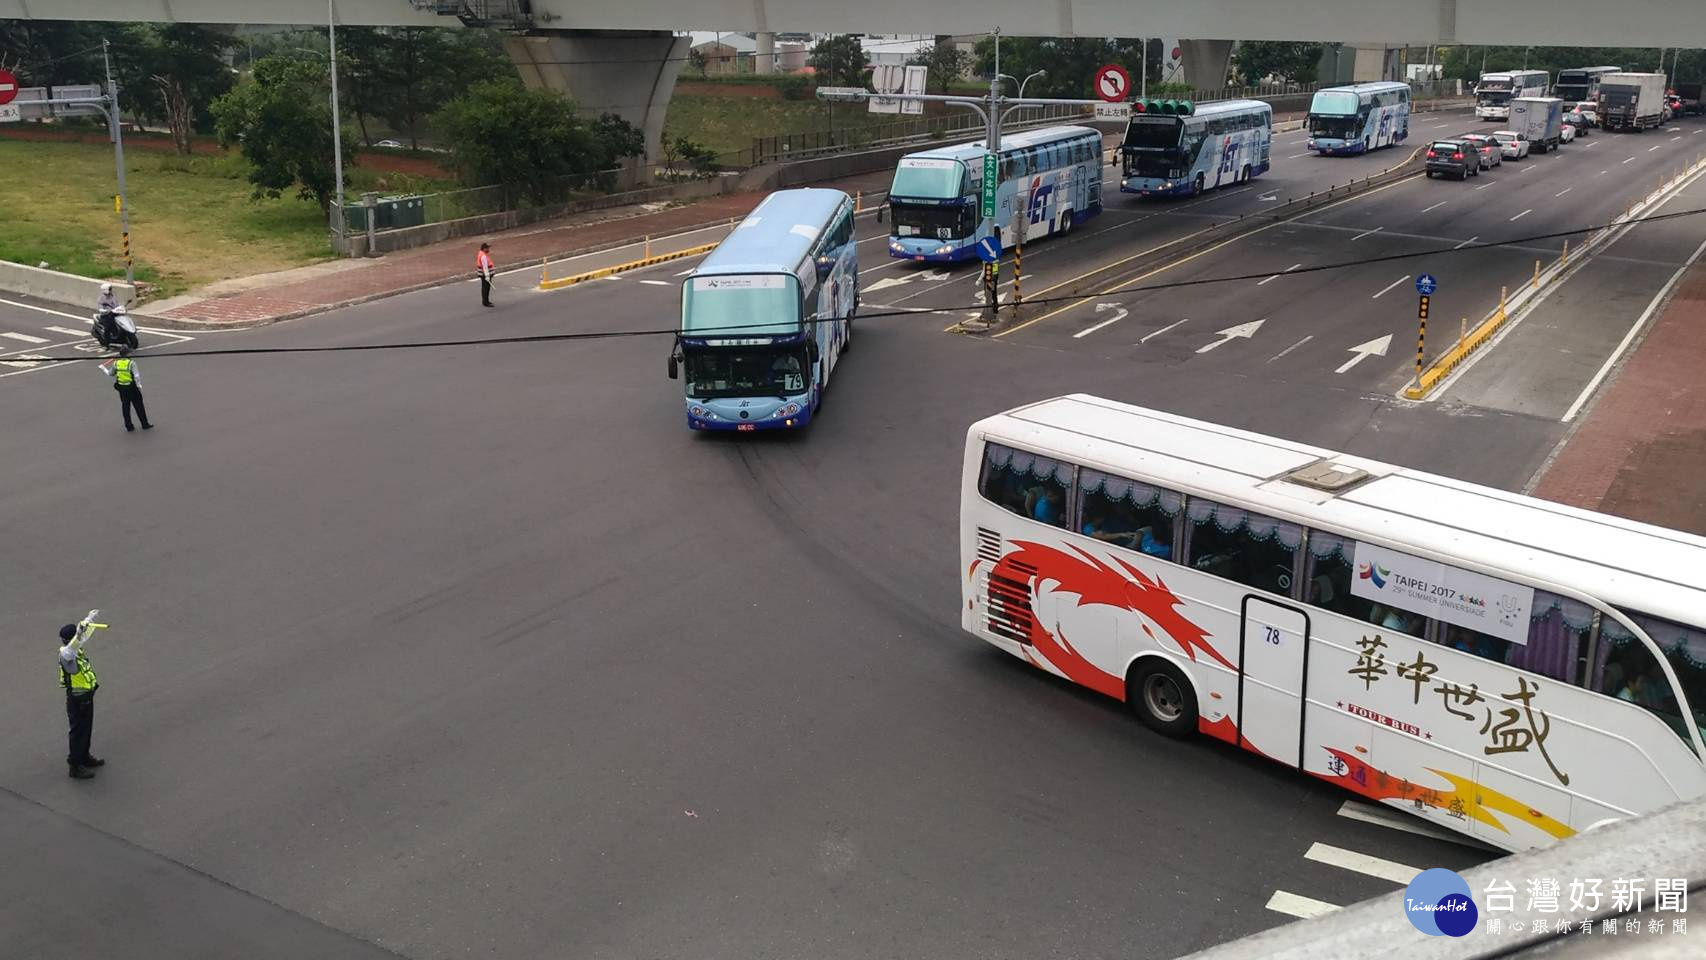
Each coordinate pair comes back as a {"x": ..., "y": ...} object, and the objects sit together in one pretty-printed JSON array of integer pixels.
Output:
[
  {"x": 24, "y": 337},
  {"x": 1361, "y": 863},
  {"x": 1296, "y": 906},
  {"x": 68, "y": 331}
]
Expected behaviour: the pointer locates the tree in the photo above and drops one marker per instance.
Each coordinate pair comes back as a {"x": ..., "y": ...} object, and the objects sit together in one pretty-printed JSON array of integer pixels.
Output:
[
  {"x": 1071, "y": 63},
  {"x": 696, "y": 58},
  {"x": 281, "y": 117},
  {"x": 503, "y": 133},
  {"x": 184, "y": 64},
  {"x": 1292, "y": 62},
  {"x": 946, "y": 61},
  {"x": 52, "y": 52},
  {"x": 839, "y": 61}
]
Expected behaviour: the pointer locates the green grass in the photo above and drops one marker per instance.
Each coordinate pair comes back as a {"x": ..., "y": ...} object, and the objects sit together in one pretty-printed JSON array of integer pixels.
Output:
[
  {"x": 191, "y": 218},
  {"x": 727, "y": 124}
]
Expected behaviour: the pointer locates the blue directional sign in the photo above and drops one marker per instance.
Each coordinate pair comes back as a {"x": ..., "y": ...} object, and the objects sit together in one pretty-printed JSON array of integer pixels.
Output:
[
  {"x": 1426, "y": 284},
  {"x": 989, "y": 249}
]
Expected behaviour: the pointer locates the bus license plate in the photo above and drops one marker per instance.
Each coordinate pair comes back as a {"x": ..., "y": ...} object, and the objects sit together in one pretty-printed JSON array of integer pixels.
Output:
[{"x": 743, "y": 426}]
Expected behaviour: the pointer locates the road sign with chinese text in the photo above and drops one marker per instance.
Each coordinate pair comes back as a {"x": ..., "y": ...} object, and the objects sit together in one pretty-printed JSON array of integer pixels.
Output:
[{"x": 990, "y": 182}]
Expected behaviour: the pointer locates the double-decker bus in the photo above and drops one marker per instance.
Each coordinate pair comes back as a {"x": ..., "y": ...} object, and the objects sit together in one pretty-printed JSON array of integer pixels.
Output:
[
  {"x": 1494, "y": 91},
  {"x": 1052, "y": 175},
  {"x": 1226, "y": 141},
  {"x": 1580, "y": 84},
  {"x": 1359, "y": 118},
  {"x": 1510, "y": 668},
  {"x": 765, "y": 317}
]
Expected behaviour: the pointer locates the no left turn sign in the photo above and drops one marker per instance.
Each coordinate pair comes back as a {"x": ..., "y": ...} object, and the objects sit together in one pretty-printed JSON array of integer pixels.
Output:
[{"x": 1113, "y": 83}]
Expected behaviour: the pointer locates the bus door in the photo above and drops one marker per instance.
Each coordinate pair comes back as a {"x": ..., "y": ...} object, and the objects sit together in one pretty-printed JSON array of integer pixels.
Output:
[{"x": 1273, "y": 659}]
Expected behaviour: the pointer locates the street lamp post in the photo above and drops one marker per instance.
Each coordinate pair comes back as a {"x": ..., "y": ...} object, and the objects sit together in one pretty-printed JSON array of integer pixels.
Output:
[{"x": 337, "y": 127}]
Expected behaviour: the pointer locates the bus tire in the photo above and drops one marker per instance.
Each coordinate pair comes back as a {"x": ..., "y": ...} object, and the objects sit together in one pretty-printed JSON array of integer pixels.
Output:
[
  {"x": 1199, "y": 183},
  {"x": 1162, "y": 696},
  {"x": 1066, "y": 223},
  {"x": 1246, "y": 173}
]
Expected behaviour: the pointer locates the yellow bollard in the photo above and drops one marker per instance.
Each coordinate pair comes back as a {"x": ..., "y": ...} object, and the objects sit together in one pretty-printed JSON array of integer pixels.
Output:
[
  {"x": 859, "y": 201},
  {"x": 1537, "y": 274},
  {"x": 544, "y": 272},
  {"x": 648, "y": 246}
]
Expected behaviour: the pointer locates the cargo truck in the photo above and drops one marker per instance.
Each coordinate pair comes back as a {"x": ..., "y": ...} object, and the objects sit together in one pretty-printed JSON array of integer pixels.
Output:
[
  {"x": 1692, "y": 103},
  {"x": 1631, "y": 101},
  {"x": 1537, "y": 120}
]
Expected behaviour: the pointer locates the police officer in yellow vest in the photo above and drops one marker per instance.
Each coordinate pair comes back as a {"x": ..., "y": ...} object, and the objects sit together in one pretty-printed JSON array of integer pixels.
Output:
[
  {"x": 78, "y": 679},
  {"x": 127, "y": 380}
]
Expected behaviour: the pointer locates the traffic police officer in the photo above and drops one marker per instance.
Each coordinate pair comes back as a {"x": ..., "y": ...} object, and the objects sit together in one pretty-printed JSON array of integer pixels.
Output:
[
  {"x": 127, "y": 381},
  {"x": 78, "y": 679}
]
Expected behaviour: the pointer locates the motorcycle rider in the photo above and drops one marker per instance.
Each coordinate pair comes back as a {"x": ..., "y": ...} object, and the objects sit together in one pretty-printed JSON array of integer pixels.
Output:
[{"x": 105, "y": 308}]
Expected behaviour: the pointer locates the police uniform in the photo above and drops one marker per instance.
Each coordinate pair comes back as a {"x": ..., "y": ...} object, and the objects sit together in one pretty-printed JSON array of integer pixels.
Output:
[
  {"x": 77, "y": 678},
  {"x": 127, "y": 380}
]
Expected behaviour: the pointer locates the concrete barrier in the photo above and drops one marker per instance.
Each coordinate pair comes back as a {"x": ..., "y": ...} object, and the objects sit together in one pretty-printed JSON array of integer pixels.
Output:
[{"x": 59, "y": 287}]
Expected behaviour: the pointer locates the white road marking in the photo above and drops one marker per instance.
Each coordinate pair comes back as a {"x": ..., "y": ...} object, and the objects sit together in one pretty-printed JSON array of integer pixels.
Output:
[
  {"x": 1466, "y": 243},
  {"x": 1563, "y": 191},
  {"x": 1654, "y": 147},
  {"x": 1245, "y": 330},
  {"x": 1521, "y": 215},
  {"x": 687, "y": 271},
  {"x": 887, "y": 282},
  {"x": 1282, "y": 272},
  {"x": 1117, "y": 317},
  {"x": 1388, "y": 289},
  {"x": 1291, "y": 348},
  {"x": 1304, "y": 908},
  {"x": 1296, "y": 155},
  {"x": 57, "y": 313},
  {"x": 1640, "y": 322},
  {"x": 1674, "y": 138},
  {"x": 1436, "y": 206},
  {"x": 614, "y": 276},
  {"x": 1631, "y": 158},
  {"x": 1384, "y": 816},
  {"x": 1377, "y": 347},
  {"x": 1486, "y": 185},
  {"x": 68, "y": 331},
  {"x": 1364, "y": 234},
  {"x": 1526, "y": 170},
  {"x": 1163, "y": 330},
  {"x": 25, "y": 337},
  {"x": 657, "y": 283},
  {"x": 1593, "y": 143},
  {"x": 1361, "y": 863},
  {"x": 1602, "y": 173}
]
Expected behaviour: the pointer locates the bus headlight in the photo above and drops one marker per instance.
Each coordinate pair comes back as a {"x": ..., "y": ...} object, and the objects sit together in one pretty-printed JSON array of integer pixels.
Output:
[
  {"x": 945, "y": 248},
  {"x": 786, "y": 410}
]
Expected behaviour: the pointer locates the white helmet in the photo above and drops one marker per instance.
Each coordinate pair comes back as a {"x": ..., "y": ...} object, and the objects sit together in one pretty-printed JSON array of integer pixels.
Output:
[{"x": 106, "y": 288}]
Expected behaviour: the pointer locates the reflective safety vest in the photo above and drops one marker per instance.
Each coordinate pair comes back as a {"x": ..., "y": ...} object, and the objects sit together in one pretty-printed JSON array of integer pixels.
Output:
[
  {"x": 83, "y": 681},
  {"x": 121, "y": 372}
]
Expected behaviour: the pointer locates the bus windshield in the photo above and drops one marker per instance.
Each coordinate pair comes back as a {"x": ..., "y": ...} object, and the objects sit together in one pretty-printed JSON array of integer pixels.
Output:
[
  {"x": 928, "y": 179},
  {"x": 1335, "y": 103},
  {"x": 939, "y": 223},
  {"x": 1153, "y": 132},
  {"x": 746, "y": 372},
  {"x": 1334, "y": 127},
  {"x": 741, "y": 306}
]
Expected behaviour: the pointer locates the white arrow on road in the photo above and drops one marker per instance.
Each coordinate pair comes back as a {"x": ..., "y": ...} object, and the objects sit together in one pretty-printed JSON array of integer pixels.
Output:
[
  {"x": 1270, "y": 195},
  {"x": 1117, "y": 317},
  {"x": 1245, "y": 330},
  {"x": 887, "y": 282},
  {"x": 1374, "y": 347},
  {"x": 935, "y": 275}
]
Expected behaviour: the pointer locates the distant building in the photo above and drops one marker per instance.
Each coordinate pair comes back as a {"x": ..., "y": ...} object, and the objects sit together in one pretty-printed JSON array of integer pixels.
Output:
[{"x": 735, "y": 53}]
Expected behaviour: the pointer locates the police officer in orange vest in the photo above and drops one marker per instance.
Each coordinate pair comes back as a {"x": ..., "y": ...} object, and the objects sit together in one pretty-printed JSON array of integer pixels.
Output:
[{"x": 483, "y": 264}]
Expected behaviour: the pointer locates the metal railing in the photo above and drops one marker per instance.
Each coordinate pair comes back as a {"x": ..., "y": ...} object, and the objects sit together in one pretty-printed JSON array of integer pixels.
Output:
[{"x": 814, "y": 143}]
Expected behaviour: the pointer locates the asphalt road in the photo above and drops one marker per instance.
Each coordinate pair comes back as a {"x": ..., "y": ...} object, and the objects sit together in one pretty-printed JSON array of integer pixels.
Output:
[{"x": 478, "y": 650}]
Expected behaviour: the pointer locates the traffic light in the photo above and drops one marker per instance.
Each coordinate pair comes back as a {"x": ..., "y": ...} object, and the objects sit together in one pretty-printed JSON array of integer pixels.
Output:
[{"x": 1164, "y": 108}]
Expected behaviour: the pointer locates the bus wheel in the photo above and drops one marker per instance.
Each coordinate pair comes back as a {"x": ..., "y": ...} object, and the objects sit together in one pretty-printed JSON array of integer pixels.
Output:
[
  {"x": 1162, "y": 696},
  {"x": 1199, "y": 183},
  {"x": 1246, "y": 173},
  {"x": 1066, "y": 223}
]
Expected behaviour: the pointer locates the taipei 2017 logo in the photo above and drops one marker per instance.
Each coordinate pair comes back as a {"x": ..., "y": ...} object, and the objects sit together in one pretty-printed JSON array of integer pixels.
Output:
[
  {"x": 1438, "y": 904},
  {"x": 1373, "y": 573}
]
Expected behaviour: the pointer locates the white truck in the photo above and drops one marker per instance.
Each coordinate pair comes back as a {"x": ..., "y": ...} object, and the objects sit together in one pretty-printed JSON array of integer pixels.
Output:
[
  {"x": 1631, "y": 101},
  {"x": 1537, "y": 120}
]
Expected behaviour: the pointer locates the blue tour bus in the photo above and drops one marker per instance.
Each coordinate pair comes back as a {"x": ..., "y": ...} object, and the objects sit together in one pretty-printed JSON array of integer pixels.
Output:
[
  {"x": 1359, "y": 118},
  {"x": 1200, "y": 147},
  {"x": 767, "y": 314},
  {"x": 1053, "y": 174}
]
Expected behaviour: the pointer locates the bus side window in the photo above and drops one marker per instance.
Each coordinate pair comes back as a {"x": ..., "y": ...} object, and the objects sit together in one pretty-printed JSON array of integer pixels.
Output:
[
  {"x": 1558, "y": 631},
  {"x": 1328, "y": 576},
  {"x": 1628, "y": 671},
  {"x": 1128, "y": 513},
  {"x": 1026, "y": 484},
  {"x": 1249, "y": 548}
]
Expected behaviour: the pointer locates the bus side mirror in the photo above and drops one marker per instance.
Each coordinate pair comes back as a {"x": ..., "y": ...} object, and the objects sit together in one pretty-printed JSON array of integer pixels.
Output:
[
  {"x": 811, "y": 351},
  {"x": 673, "y": 369}
]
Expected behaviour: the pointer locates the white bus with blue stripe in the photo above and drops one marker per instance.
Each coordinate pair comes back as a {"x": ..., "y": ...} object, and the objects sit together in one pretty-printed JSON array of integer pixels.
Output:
[
  {"x": 1359, "y": 118},
  {"x": 1053, "y": 174},
  {"x": 1211, "y": 145},
  {"x": 765, "y": 317}
]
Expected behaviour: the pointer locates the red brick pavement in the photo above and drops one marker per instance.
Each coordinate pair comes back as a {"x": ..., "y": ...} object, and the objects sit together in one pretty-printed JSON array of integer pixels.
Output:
[
  {"x": 1640, "y": 451},
  {"x": 454, "y": 259}
]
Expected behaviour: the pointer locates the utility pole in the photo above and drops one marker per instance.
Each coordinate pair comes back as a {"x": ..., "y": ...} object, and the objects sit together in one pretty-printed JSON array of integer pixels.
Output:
[
  {"x": 337, "y": 127},
  {"x": 117, "y": 129}
]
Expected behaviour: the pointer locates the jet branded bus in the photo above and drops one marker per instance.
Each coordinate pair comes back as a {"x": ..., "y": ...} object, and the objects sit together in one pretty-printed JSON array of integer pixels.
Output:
[
  {"x": 1192, "y": 148},
  {"x": 1359, "y": 118}
]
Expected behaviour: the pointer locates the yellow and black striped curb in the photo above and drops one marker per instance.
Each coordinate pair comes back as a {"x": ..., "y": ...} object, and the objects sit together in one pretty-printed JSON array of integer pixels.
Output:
[{"x": 546, "y": 283}]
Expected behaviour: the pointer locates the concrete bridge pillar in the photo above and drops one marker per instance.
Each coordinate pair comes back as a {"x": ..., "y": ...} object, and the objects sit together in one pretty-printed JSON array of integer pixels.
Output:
[
  {"x": 765, "y": 61},
  {"x": 1206, "y": 62},
  {"x": 630, "y": 73}
]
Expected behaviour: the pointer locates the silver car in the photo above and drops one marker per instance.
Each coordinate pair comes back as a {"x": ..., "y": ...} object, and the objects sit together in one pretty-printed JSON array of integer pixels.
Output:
[
  {"x": 1511, "y": 144},
  {"x": 1492, "y": 155}
]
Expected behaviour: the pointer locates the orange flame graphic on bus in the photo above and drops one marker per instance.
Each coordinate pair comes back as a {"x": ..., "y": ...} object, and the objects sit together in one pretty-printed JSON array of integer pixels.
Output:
[{"x": 1466, "y": 798}]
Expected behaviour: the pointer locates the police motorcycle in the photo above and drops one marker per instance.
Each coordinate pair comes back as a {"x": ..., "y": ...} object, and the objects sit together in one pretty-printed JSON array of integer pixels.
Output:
[{"x": 114, "y": 328}]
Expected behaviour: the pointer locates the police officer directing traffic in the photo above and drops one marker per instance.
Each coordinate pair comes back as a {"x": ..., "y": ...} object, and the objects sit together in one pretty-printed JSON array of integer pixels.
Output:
[
  {"x": 127, "y": 380},
  {"x": 78, "y": 679}
]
